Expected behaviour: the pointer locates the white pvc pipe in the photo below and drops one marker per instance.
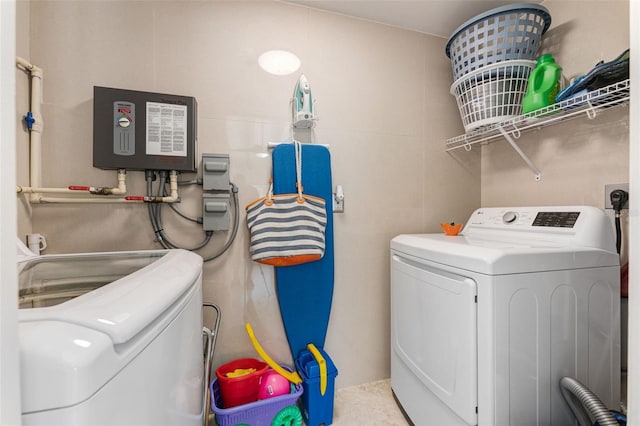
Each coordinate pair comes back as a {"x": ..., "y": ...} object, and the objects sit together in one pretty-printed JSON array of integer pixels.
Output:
[
  {"x": 173, "y": 185},
  {"x": 34, "y": 190},
  {"x": 35, "y": 134},
  {"x": 121, "y": 189},
  {"x": 122, "y": 183},
  {"x": 173, "y": 198},
  {"x": 79, "y": 200}
]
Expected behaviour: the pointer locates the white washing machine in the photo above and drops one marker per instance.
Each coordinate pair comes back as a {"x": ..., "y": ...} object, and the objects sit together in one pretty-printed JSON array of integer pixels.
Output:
[
  {"x": 484, "y": 324},
  {"x": 111, "y": 339}
]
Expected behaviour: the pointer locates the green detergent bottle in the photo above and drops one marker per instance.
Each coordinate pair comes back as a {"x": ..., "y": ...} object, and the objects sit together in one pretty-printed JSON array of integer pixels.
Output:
[{"x": 544, "y": 84}]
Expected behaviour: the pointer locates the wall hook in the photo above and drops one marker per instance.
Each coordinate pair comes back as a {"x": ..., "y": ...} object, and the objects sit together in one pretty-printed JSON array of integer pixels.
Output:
[{"x": 338, "y": 200}]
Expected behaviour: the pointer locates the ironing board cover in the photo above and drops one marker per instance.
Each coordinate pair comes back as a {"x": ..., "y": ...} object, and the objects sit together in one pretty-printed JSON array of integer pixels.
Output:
[{"x": 305, "y": 291}]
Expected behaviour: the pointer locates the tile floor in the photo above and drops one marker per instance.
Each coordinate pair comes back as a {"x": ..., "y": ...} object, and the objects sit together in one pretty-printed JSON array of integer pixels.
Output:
[{"x": 371, "y": 404}]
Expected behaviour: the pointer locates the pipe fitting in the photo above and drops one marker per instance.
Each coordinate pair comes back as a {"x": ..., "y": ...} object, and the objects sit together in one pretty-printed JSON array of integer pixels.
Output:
[
  {"x": 122, "y": 182},
  {"x": 173, "y": 185},
  {"x": 102, "y": 190}
]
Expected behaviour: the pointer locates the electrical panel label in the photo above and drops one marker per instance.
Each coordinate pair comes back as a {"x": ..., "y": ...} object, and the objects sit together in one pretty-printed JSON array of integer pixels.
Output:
[{"x": 166, "y": 129}]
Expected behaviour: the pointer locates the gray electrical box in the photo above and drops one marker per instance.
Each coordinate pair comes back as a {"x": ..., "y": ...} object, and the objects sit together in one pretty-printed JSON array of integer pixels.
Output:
[
  {"x": 216, "y": 212},
  {"x": 143, "y": 131},
  {"x": 215, "y": 172}
]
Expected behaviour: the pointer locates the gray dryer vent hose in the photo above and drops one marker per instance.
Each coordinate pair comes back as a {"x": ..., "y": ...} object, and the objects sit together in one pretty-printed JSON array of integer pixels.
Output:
[{"x": 591, "y": 406}]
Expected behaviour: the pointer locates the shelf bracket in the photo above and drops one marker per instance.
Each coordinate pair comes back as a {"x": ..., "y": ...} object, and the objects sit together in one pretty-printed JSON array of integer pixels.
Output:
[{"x": 526, "y": 159}]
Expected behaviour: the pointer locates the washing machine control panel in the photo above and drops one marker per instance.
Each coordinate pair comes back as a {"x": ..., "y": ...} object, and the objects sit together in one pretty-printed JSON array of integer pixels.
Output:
[
  {"x": 507, "y": 218},
  {"x": 559, "y": 219},
  {"x": 585, "y": 225}
]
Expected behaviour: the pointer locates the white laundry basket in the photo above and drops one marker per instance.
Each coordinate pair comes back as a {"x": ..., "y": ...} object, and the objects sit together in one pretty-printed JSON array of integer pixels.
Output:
[
  {"x": 506, "y": 33},
  {"x": 492, "y": 94}
]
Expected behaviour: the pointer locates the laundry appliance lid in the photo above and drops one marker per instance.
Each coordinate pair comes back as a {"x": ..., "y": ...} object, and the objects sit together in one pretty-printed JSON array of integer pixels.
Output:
[
  {"x": 497, "y": 241},
  {"x": 81, "y": 344},
  {"x": 127, "y": 305}
]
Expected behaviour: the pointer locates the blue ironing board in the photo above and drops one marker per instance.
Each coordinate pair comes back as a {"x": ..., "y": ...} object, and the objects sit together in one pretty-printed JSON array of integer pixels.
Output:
[{"x": 305, "y": 291}]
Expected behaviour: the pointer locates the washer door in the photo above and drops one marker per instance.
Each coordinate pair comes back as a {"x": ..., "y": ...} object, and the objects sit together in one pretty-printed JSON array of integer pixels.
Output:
[{"x": 434, "y": 329}]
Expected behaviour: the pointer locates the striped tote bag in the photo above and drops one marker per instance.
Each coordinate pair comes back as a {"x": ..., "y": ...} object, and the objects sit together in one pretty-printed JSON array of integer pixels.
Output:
[{"x": 287, "y": 229}]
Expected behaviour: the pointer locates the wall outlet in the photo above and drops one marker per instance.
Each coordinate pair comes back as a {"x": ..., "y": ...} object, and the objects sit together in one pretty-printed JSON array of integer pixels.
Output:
[{"x": 608, "y": 189}]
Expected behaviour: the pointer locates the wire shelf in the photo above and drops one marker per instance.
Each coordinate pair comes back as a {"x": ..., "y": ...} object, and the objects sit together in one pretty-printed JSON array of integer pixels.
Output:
[{"x": 589, "y": 104}]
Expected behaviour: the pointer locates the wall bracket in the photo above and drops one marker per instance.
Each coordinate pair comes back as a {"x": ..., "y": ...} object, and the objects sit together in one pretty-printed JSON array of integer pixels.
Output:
[{"x": 515, "y": 146}]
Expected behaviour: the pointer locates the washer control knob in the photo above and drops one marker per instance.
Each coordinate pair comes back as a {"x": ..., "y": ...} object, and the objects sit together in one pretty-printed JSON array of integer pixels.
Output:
[{"x": 509, "y": 217}]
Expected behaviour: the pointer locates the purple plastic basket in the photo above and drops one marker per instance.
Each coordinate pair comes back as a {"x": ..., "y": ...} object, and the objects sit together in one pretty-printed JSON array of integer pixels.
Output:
[{"x": 259, "y": 413}]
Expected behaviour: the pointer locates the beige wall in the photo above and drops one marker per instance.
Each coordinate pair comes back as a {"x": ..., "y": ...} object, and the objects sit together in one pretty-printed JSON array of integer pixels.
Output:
[
  {"x": 576, "y": 158},
  {"x": 383, "y": 106}
]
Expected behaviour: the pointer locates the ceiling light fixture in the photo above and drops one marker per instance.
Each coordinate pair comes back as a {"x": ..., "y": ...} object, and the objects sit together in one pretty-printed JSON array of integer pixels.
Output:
[{"x": 279, "y": 62}]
